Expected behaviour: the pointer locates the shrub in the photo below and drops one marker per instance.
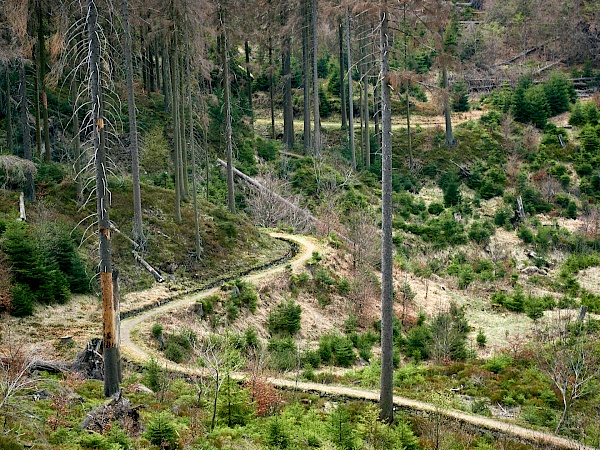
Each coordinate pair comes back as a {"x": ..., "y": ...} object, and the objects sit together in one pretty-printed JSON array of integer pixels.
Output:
[
  {"x": 435, "y": 208},
  {"x": 336, "y": 349},
  {"x": 174, "y": 352},
  {"x": 498, "y": 363},
  {"x": 285, "y": 318},
  {"x": 94, "y": 441},
  {"x": 283, "y": 352},
  {"x": 526, "y": 235},
  {"x": 481, "y": 338},
  {"x": 161, "y": 431},
  {"x": 157, "y": 330},
  {"x": 481, "y": 232},
  {"x": 22, "y": 300},
  {"x": 267, "y": 149}
]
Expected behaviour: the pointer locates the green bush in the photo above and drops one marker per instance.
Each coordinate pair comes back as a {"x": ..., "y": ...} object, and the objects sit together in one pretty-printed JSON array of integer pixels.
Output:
[
  {"x": 336, "y": 349},
  {"x": 173, "y": 352},
  {"x": 22, "y": 301},
  {"x": 267, "y": 149},
  {"x": 162, "y": 432},
  {"x": 481, "y": 338},
  {"x": 284, "y": 319},
  {"x": 157, "y": 330},
  {"x": 94, "y": 441},
  {"x": 498, "y": 363},
  {"x": 283, "y": 353},
  {"x": 481, "y": 231},
  {"x": 435, "y": 208},
  {"x": 526, "y": 235}
]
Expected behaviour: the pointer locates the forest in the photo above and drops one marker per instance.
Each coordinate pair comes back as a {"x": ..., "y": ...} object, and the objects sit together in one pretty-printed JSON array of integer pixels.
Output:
[{"x": 293, "y": 224}]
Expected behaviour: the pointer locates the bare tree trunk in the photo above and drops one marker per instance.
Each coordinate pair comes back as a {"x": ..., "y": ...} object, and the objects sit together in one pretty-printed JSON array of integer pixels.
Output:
[
  {"x": 9, "y": 127},
  {"x": 110, "y": 343},
  {"x": 228, "y": 130},
  {"x": 29, "y": 182},
  {"x": 271, "y": 88},
  {"x": 185, "y": 186},
  {"x": 387, "y": 307},
  {"x": 286, "y": 73},
  {"x": 38, "y": 117},
  {"x": 42, "y": 79},
  {"x": 138, "y": 230},
  {"x": 410, "y": 155},
  {"x": 249, "y": 83},
  {"x": 342, "y": 72},
  {"x": 157, "y": 65},
  {"x": 316, "y": 114},
  {"x": 193, "y": 151},
  {"x": 306, "y": 75},
  {"x": 365, "y": 97},
  {"x": 174, "y": 106},
  {"x": 450, "y": 141},
  {"x": 350, "y": 93}
]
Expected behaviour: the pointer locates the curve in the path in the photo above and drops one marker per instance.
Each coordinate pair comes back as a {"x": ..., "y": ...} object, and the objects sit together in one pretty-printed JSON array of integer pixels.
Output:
[{"x": 137, "y": 352}]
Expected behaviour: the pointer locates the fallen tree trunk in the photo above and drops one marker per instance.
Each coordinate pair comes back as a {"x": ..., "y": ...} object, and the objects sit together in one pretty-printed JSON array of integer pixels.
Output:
[
  {"x": 252, "y": 182},
  {"x": 137, "y": 256},
  {"x": 148, "y": 267}
]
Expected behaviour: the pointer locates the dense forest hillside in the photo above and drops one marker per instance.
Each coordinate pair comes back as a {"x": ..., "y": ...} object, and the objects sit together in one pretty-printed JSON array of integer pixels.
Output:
[{"x": 203, "y": 200}]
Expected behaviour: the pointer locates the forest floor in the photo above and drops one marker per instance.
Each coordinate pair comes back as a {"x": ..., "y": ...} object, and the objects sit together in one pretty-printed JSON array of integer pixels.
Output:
[{"x": 134, "y": 349}]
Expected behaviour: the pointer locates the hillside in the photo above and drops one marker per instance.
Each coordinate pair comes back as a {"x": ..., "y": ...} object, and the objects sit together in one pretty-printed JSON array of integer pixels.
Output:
[{"x": 238, "y": 148}]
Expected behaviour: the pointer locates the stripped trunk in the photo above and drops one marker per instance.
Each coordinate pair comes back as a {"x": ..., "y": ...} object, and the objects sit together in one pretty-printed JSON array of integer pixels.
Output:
[
  {"x": 29, "y": 183},
  {"x": 286, "y": 73},
  {"x": 350, "y": 93},
  {"x": 110, "y": 338},
  {"x": 387, "y": 307},
  {"x": 365, "y": 97},
  {"x": 249, "y": 83},
  {"x": 450, "y": 141},
  {"x": 42, "y": 79},
  {"x": 342, "y": 72},
  {"x": 138, "y": 231},
  {"x": 9, "y": 127},
  {"x": 173, "y": 84},
  {"x": 271, "y": 87},
  {"x": 306, "y": 73},
  {"x": 185, "y": 186},
  {"x": 193, "y": 156},
  {"x": 316, "y": 114},
  {"x": 228, "y": 128}
]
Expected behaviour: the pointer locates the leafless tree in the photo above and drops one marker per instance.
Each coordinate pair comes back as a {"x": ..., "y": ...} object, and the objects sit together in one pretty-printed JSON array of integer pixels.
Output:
[{"x": 567, "y": 351}]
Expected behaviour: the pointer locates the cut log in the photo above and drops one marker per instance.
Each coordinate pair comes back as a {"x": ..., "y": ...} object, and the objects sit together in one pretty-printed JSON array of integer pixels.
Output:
[
  {"x": 521, "y": 210},
  {"x": 148, "y": 267},
  {"x": 525, "y": 53}
]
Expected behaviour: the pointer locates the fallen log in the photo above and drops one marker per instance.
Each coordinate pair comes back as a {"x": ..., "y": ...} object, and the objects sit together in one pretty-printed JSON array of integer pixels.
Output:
[
  {"x": 137, "y": 256},
  {"x": 148, "y": 267},
  {"x": 252, "y": 182}
]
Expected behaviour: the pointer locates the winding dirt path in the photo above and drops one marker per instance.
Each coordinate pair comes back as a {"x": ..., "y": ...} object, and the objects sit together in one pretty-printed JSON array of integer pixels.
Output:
[{"x": 136, "y": 351}]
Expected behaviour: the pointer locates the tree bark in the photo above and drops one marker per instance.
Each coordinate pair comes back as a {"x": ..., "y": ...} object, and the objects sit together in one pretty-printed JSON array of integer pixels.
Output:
[
  {"x": 350, "y": 93},
  {"x": 286, "y": 73},
  {"x": 9, "y": 127},
  {"x": 342, "y": 72},
  {"x": 42, "y": 79},
  {"x": 173, "y": 84},
  {"x": 450, "y": 141},
  {"x": 110, "y": 338},
  {"x": 185, "y": 186},
  {"x": 138, "y": 230},
  {"x": 38, "y": 117},
  {"x": 271, "y": 88},
  {"x": 228, "y": 128},
  {"x": 316, "y": 114},
  {"x": 249, "y": 83},
  {"x": 387, "y": 307},
  {"x": 365, "y": 106},
  {"x": 29, "y": 182},
  {"x": 306, "y": 75}
]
